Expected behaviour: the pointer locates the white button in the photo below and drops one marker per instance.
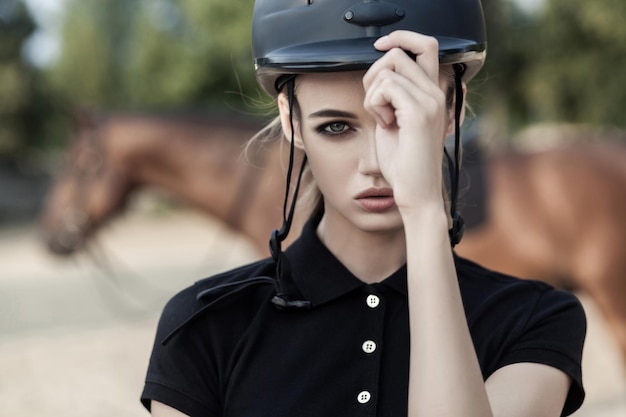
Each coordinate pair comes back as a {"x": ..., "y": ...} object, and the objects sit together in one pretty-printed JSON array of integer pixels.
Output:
[
  {"x": 364, "y": 397},
  {"x": 373, "y": 301},
  {"x": 369, "y": 346}
]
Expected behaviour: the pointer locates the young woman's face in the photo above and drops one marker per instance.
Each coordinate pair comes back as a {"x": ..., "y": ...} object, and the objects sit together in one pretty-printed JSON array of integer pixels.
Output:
[{"x": 338, "y": 136}]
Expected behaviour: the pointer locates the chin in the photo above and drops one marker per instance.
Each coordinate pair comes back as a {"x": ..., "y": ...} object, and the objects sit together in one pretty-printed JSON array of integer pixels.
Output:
[
  {"x": 350, "y": 220},
  {"x": 380, "y": 223}
]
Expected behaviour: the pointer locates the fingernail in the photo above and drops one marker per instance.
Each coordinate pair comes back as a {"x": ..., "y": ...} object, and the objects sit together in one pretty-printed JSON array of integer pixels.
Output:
[{"x": 381, "y": 41}]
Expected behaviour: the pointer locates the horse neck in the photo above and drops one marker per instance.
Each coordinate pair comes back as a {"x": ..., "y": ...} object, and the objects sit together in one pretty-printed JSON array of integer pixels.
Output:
[{"x": 199, "y": 163}]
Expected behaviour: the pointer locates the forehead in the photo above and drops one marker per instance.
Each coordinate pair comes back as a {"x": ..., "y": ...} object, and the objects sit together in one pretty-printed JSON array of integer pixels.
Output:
[{"x": 330, "y": 89}]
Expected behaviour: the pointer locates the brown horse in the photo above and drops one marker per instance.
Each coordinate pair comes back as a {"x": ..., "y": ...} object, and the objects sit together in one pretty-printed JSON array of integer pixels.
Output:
[
  {"x": 197, "y": 160},
  {"x": 559, "y": 216},
  {"x": 555, "y": 215}
]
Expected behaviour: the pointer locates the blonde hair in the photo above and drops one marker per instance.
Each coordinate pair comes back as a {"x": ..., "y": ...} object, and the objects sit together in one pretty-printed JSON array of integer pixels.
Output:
[{"x": 310, "y": 199}]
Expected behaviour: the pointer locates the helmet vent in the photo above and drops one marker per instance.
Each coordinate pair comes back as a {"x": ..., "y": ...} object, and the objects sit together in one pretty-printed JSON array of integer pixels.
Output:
[{"x": 374, "y": 13}]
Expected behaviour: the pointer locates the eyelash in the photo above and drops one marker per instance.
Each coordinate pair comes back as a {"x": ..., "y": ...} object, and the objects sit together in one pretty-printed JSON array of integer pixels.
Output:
[{"x": 324, "y": 129}]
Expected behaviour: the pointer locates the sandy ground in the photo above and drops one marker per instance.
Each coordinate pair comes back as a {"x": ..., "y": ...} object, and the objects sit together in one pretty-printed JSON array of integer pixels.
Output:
[{"x": 75, "y": 337}]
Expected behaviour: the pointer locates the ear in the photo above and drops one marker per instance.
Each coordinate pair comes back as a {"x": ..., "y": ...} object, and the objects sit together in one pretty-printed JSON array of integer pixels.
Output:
[
  {"x": 283, "y": 108},
  {"x": 450, "y": 129}
]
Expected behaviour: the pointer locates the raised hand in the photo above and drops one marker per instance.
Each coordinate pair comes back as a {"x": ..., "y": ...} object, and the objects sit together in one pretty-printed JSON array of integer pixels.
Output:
[{"x": 405, "y": 95}]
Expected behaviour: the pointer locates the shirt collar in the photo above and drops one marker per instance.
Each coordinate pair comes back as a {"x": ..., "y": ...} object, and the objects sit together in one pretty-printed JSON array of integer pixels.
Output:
[{"x": 321, "y": 277}]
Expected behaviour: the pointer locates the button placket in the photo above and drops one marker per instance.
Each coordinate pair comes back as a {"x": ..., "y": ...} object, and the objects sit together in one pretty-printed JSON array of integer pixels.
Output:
[{"x": 369, "y": 347}]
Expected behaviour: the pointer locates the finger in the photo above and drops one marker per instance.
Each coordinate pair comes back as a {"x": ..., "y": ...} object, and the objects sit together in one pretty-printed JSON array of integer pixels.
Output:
[
  {"x": 381, "y": 97},
  {"x": 391, "y": 95},
  {"x": 398, "y": 61},
  {"x": 425, "y": 48}
]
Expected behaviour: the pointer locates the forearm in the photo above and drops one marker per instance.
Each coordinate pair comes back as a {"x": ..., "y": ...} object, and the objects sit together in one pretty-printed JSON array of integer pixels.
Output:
[{"x": 444, "y": 378}]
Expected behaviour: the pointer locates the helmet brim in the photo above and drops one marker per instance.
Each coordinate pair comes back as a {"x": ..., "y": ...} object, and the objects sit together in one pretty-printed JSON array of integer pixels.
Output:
[{"x": 354, "y": 54}]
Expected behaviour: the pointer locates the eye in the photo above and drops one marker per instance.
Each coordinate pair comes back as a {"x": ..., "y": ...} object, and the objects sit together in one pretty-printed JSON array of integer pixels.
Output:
[{"x": 334, "y": 128}]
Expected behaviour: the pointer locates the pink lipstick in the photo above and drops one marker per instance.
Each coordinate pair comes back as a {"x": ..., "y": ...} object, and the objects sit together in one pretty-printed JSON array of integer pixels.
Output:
[{"x": 376, "y": 200}]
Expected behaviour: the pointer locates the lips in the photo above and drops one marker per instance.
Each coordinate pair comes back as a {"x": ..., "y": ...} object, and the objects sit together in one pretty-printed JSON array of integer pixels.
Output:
[{"x": 376, "y": 200}]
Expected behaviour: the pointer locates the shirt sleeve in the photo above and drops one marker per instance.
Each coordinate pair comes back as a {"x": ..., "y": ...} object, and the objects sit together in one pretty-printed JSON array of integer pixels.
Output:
[
  {"x": 182, "y": 372},
  {"x": 554, "y": 335}
]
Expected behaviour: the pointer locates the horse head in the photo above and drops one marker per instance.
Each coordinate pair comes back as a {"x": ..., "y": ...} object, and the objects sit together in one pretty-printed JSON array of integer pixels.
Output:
[{"x": 89, "y": 189}]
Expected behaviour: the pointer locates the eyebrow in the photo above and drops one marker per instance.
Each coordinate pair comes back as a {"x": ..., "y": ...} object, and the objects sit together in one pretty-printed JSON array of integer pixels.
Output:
[{"x": 325, "y": 113}]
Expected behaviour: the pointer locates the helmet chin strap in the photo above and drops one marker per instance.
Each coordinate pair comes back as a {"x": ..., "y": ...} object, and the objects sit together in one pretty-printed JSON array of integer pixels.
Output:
[
  {"x": 282, "y": 298},
  {"x": 281, "y": 234},
  {"x": 458, "y": 225}
]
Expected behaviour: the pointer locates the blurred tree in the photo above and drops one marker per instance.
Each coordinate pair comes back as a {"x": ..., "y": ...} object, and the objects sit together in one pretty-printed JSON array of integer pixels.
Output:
[
  {"x": 191, "y": 51},
  {"x": 155, "y": 53},
  {"x": 497, "y": 92},
  {"x": 21, "y": 101},
  {"x": 560, "y": 64},
  {"x": 578, "y": 62},
  {"x": 90, "y": 70}
]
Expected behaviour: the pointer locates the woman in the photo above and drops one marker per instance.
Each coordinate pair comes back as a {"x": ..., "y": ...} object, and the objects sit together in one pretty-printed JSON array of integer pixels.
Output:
[{"x": 369, "y": 312}]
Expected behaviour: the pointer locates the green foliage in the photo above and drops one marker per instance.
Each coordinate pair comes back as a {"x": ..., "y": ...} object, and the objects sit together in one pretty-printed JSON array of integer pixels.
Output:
[
  {"x": 20, "y": 95},
  {"x": 191, "y": 52},
  {"x": 498, "y": 89},
  {"x": 89, "y": 70},
  {"x": 578, "y": 73},
  {"x": 562, "y": 65},
  {"x": 155, "y": 53}
]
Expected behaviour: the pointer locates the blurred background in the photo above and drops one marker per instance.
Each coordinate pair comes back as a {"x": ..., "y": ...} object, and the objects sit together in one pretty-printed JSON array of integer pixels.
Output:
[{"x": 76, "y": 330}]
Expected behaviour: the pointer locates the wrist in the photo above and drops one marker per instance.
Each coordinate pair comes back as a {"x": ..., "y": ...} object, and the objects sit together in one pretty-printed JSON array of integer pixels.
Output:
[{"x": 426, "y": 219}]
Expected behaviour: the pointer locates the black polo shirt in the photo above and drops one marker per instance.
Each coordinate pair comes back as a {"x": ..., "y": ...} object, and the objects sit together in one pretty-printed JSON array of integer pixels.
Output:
[{"x": 231, "y": 352}]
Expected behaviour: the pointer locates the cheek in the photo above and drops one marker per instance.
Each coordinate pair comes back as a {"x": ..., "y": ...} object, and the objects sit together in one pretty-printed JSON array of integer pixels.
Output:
[{"x": 330, "y": 171}]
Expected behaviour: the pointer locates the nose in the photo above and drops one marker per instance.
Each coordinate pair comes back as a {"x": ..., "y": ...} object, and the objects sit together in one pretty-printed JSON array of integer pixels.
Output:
[{"x": 368, "y": 164}]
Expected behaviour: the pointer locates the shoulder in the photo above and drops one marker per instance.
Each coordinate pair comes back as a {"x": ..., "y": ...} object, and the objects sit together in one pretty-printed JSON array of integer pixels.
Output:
[
  {"x": 481, "y": 286},
  {"x": 514, "y": 321},
  {"x": 493, "y": 298},
  {"x": 245, "y": 288},
  {"x": 521, "y": 315},
  {"x": 199, "y": 329}
]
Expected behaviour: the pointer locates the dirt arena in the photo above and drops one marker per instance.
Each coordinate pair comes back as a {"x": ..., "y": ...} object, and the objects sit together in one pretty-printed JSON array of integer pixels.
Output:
[{"x": 75, "y": 334}]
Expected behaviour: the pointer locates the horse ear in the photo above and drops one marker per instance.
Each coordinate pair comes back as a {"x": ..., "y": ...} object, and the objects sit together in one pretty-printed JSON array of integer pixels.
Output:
[{"x": 83, "y": 118}]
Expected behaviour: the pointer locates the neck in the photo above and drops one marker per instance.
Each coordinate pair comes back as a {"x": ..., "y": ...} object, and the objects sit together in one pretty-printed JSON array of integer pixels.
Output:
[{"x": 370, "y": 256}]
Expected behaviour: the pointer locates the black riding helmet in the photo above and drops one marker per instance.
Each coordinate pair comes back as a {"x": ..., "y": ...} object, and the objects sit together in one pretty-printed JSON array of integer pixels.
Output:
[{"x": 304, "y": 36}]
